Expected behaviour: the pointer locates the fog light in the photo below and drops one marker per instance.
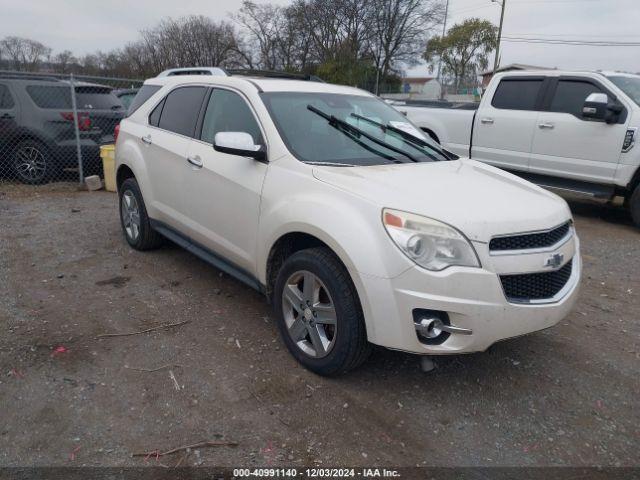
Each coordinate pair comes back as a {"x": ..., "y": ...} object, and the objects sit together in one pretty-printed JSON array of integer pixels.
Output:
[
  {"x": 429, "y": 326},
  {"x": 433, "y": 327}
]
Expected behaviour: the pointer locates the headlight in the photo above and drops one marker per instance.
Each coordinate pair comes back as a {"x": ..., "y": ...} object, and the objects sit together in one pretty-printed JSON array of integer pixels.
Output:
[{"x": 431, "y": 244}]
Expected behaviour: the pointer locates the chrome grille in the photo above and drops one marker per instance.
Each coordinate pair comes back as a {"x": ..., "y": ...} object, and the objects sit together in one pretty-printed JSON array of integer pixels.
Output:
[
  {"x": 529, "y": 241},
  {"x": 524, "y": 288}
]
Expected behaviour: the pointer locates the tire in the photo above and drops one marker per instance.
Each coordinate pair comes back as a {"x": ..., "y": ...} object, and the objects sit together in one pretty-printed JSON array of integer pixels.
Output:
[
  {"x": 134, "y": 219},
  {"x": 31, "y": 162},
  {"x": 344, "y": 343},
  {"x": 634, "y": 206}
]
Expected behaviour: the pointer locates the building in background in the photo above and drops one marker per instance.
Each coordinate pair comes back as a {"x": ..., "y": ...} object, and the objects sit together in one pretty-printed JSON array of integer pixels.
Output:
[{"x": 423, "y": 88}]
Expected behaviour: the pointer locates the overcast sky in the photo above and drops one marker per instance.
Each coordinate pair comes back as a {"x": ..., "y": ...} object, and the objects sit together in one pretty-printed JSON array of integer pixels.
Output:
[{"x": 84, "y": 26}]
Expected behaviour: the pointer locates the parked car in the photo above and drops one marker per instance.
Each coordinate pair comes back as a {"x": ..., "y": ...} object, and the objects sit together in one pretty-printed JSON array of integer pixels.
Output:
[
  {"x": 571, "y": 131},
  {"x": 37, "y": 133},
  {"x": 356, "y": 226},
  {"x": 126, "y": 95}
]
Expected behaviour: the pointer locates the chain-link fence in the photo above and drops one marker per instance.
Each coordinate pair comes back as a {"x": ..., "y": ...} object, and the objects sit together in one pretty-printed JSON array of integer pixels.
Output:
[{"x": 52, "y": 126}]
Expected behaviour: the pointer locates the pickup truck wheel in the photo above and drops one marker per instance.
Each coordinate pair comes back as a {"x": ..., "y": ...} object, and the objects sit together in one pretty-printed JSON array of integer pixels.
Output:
[
  {"x": 319, "y": 313},
  {"x": 634, "y": 206},
  {"x": 134, "y": 219}
]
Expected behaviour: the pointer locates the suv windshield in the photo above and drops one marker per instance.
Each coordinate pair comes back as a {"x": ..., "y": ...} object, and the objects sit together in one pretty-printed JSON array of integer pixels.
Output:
[
  {"x": 304, "y": 121},
  {"x": 629, "y": 85}
]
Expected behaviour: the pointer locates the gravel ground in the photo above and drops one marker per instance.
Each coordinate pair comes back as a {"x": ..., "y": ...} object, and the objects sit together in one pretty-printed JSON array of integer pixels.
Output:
[{"x": 565, "y": 396}]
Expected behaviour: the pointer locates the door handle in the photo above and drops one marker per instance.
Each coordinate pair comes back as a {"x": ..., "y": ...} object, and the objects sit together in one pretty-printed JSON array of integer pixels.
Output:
[
  {"x": 6, "y": 116},
  {"x": 546, "y": 125},
  {"x": 195, "y": 161},
  {"x": 146, "y": 139},
  {"x": 488, "y": 121}
]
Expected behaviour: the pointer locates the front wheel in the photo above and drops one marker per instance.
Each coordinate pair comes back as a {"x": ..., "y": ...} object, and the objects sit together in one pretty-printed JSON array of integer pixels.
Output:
[
  {"x": 319, "y": 313},
  {"x": 634, "y": 206}
]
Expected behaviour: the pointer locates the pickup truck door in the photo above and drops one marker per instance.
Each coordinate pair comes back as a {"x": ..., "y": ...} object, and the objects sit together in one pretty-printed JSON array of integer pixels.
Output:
[
  {"x": 505, "y": 123},
  {"x": 222, "y": 192},
  {"x": 567, "y": 145}
]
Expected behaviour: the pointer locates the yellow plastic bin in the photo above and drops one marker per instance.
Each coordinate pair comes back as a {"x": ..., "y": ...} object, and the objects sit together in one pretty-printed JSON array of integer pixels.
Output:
[{"x": 108, "y": 155}]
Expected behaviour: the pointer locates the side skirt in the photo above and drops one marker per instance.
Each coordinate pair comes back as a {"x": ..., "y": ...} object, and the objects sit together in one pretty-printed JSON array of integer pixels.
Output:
[{"x": 207, "y": 255}]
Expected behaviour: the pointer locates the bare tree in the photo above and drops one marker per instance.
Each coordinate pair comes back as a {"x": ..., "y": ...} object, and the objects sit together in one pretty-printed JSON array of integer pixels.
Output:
[
  {"x": 24, "y": 53},
  {"x": 401, "y": 29},
  {"x": 64, "y": 61}
]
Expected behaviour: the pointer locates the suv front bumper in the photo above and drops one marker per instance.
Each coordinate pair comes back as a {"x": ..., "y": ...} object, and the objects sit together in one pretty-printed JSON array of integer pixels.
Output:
[{"x": 473, "y": 298}]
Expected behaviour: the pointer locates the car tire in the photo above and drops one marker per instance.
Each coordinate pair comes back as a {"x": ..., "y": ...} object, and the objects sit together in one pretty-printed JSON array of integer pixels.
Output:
[
  {"x": 634, "y": 206},
  {"x": 134, "y": 219},
  {"x": 321, "y": 346},
  {"x": 31, "y": 162}
]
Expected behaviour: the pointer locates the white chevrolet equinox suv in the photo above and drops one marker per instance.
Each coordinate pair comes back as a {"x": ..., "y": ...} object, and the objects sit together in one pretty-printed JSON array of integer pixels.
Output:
[{"x": 356, "y": 226}]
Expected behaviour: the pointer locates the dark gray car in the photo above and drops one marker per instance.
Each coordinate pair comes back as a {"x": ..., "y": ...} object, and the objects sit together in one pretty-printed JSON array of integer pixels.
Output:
[{"x": 37, "y": 134}]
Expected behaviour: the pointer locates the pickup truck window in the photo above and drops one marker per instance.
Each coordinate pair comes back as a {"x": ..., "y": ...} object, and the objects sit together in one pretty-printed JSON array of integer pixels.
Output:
[
  {"x": 570, "y": 95},
  {"x": 181, "y": 109},
  {"x": 310, "y": 133},
  {"x": 629, "y": 85},
  {"x": 517, "y": 94}
]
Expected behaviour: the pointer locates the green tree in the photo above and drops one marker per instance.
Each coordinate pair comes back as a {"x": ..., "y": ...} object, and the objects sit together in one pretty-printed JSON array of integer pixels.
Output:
[{"x": 464, "y": 50}]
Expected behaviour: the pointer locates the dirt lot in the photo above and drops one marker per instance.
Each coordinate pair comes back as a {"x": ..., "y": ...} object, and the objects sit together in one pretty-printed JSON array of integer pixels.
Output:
[{"x": 566, "y": 396}]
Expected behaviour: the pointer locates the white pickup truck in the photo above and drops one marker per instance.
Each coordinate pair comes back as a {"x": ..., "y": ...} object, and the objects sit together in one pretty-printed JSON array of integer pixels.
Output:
[{"x": 571, "y": 131}]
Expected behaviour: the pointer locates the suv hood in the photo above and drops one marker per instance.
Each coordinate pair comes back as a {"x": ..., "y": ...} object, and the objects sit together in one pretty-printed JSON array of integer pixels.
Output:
[{"x": 479, "y": 200}]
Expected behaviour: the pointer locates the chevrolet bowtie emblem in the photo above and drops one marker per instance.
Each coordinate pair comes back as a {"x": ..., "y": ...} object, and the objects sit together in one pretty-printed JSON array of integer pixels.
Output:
[{"x": 554, "y": 261}]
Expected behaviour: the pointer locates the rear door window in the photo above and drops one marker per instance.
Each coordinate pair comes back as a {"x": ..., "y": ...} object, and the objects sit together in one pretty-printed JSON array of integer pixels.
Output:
[
  {"x": 181, "y": 110},
  {"x": 570, "y": 95},
  {"x": 45, "y": 96},
  {"x": 517, "y": 94},
  {"x": 6, "y": 100}
]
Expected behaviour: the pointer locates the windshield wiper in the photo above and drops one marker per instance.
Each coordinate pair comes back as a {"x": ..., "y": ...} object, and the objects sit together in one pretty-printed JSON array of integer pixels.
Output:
[
  {"x": 350, "y": 129},
  {"x": 412, "y": 140}
]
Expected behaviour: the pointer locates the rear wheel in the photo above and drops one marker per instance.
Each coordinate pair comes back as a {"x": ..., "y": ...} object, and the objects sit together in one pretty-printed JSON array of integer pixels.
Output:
[
  {"x": 634, "y": 206},
  {"x": 319, "y": 313},
  {"x": 32, "y": 163},
  {"x": 134, "y": 219}
]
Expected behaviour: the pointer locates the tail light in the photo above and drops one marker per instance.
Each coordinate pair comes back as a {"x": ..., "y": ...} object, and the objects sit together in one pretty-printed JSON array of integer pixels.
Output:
[
  {"x": 116, "y": 132},
  {"x": 84, "y": 121}
]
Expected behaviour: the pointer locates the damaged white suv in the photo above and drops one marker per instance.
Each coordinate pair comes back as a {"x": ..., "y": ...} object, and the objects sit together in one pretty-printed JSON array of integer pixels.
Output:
[{"x": 357, "y": 227}]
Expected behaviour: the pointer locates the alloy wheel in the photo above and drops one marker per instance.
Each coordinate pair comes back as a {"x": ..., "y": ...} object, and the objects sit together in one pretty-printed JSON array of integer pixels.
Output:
[
  {"x": 309, "y": 314},
  {"x": 130, "y": 213},
  {"x": 30, "y": 164}
]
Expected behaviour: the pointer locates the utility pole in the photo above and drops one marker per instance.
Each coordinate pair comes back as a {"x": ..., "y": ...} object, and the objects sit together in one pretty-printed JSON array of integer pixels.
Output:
[
  {"x": 495, "y": 63},
  {"x": 444, "y": 31}
]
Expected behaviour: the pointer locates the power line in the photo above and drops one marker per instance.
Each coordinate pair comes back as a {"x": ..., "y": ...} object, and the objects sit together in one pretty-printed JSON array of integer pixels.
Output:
[
  {"x": 570, "y": 35},
  {"x": 558, "y": 41}
]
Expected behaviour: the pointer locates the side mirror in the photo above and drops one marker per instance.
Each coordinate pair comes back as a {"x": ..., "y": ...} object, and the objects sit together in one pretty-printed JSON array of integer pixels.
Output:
[
  {"x": 598, "y": 107},
  {"x": 238, "y": 143},
  {"x": 595, "y": 106}
]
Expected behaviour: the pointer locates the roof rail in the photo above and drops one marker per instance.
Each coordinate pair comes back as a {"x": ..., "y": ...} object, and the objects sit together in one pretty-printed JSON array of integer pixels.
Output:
[
  {"x": 27, "y": 76},
  {"x": 274, "y": 74}
]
